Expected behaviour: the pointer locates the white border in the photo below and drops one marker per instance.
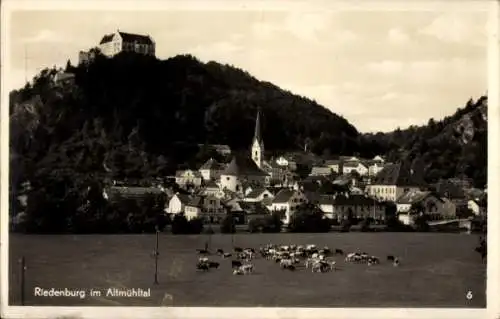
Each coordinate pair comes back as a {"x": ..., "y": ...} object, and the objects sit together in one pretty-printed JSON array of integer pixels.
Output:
[{"x": 493, "y": 284}]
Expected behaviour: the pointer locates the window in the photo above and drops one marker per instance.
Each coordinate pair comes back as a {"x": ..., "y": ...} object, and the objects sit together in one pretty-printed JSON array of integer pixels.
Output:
[{"x": 227, "y": 178}]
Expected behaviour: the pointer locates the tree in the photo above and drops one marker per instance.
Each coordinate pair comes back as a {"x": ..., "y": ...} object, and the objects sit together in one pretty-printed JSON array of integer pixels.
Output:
[
  {"x": 180, "y": 224},
  {"x": 308, "y": 218},
  {"x": 195, "y": 226},
  {"x": 227, "y": 225}
]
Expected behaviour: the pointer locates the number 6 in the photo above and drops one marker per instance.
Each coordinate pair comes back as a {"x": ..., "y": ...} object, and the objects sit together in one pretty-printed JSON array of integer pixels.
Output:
[{"x": 469, "y": 295}]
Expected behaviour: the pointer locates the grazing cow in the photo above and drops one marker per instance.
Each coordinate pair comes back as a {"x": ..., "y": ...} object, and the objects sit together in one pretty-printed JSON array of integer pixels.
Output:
[
  {"x": 390, "y": 258},
  {"x": 237, "y": 271},
  {"x": 247, "y": 268},
  {"x": 236, "y": 264},
  {"x": 339, "y": 252},
  {"x": 320, "y": 267},
  {"x": 238, "y": 250},
  {"x": 373, "y": 260},
  {"x": 220, "y": 252},
  {"x": 203, "y": 259},
  {"x": 226, "y": 255},
  {"x": 396, "y": 262},
  {"x": 213, "y": 264},
  {"x": 202, "y": 266},
  {"x": 285, "y": 263},
  {"x": 291, "y": 267}
]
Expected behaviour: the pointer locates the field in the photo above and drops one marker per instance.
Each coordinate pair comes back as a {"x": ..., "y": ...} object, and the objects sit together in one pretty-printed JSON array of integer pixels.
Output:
[{"x": 436, "y": 270}]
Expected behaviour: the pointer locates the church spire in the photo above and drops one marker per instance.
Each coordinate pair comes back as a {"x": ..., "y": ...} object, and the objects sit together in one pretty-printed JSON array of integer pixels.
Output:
[{"x": 257, "y": 134}]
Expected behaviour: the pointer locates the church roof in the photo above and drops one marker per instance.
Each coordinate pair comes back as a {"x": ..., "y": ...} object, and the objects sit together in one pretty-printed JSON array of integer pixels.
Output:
[
  {"x": 257, "y": 134},
  {"x": 211, "y": 164},
  {"x": 243, "y": 165}
]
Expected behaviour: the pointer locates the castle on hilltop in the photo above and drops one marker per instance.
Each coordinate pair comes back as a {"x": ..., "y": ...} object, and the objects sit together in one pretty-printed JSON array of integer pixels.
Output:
[{"x": 114, "y": 43}]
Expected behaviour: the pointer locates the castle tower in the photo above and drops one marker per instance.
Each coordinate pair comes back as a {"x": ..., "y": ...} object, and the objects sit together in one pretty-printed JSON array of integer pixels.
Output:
[{"x": 257, "y": 143}]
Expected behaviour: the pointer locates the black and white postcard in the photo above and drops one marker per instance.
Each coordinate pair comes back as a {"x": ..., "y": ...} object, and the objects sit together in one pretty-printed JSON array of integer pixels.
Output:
[{"x": 222, "y": 159}]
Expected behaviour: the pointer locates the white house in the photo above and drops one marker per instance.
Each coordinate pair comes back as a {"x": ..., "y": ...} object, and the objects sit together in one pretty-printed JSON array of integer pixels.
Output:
[
  {"x": 334, "y": 165},
  {"x": 193, "y": 209},
  {"x": 287, "y": 201},
  {"x": 177, "y": 203},
  {"x": 257, "y": 195},
  {"x": 356, "y": 166},
  {"x": 379, "y": 159},
  {"x": 211, "y": 188},
  {"x": 211, "y": 170},
  {"x": 188, "y": 177},
  {"x": 321, "y": 171},
  {"x": 476, "y": 207},
  {"x": 374, "y": 168},
  {"x": 282, "y": 161}
]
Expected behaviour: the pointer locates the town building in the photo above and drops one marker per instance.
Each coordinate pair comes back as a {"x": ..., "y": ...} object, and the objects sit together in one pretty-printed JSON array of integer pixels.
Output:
[
  {"x": 211, "y": 170},
  {"x": 188, "y": 177},
  {"x": 344, "y": 206},
  {"x": 394, "y": 181},
  {"x": 286, "y": 202}
]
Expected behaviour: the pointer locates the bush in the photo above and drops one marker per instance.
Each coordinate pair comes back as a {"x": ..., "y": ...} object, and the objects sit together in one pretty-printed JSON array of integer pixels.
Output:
[
  {"x": 365, "y": 225},
  {"x": 309, "y": 221},
  {"x": 227, "y": 225},
  {"x": 195, "y": 226},
  {"x": 345, "y": 225},
  {"x": 421, "y": 223},
  {"x": 267, "y": 224},
  {"x": 180, "y": 224}
]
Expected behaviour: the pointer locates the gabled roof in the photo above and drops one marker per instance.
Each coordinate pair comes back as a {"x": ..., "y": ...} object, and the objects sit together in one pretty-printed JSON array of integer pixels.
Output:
[
  {"x": 450, "y": 190},
  {"x": 283, "y": 196},
  {"x": 254, "y": 208},
  {"x": 352, "y": 164},
  {"x": 195, "y": 201},
  {"x": 332, "y": 162},
  {"x": 128, "y": 37},
  {"x": 256, "y": 192},
  {"x": 184, "y": 198},
  {"x": 211, "y": 164},
  {"x": 211, "y": 184},
  {"x": 412, "y": 197},
  {"x": 180, "y": 173},
  {"x": 106, "y": 38},
  {"x": 354, "y": 200},
  {"x": 399, "y": 175},
  {"x": 243, "y": 166}
]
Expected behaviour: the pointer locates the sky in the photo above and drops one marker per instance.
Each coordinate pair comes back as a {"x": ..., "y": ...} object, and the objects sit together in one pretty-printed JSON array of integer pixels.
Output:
[{"x": 379, "y": 69}]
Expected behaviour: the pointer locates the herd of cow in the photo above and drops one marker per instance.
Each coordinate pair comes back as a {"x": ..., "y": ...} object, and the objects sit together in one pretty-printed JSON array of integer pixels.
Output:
[{"x": 288, "y": 257}]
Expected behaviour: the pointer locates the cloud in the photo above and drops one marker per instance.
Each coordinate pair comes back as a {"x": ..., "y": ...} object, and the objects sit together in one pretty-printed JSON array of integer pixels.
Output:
[
  {"x": 455, "y": 27},
  {"x": 306, "y": 26},
  {"x": 218, "y": 51},
  {"x": 398, "y": 36},
  {"x": 45, "y": 36},
  {"x": 386, "y": 67}
]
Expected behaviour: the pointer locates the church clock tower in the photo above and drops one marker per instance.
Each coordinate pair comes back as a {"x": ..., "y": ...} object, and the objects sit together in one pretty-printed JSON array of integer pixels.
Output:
[{"x": 257, "y": 143}]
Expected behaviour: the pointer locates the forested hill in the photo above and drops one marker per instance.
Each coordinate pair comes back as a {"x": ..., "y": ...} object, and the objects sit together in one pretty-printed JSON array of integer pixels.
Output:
[
  {"x": 453, "y": 147},
  {"x": 140, "y": 116}
]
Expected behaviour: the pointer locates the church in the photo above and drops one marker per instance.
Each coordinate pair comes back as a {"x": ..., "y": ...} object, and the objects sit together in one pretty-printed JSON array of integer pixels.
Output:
[{"x": 246, "y": 170}]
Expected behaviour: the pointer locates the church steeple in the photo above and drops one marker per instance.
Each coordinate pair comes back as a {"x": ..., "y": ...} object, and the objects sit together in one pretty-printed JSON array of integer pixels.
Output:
[
  {"x": 257, "y": 136},
  {"x": 257, "y": 143}
]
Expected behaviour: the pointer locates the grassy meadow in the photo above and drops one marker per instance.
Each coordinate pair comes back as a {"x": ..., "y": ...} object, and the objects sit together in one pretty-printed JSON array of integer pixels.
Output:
[{"x": 436, "y": 270}]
